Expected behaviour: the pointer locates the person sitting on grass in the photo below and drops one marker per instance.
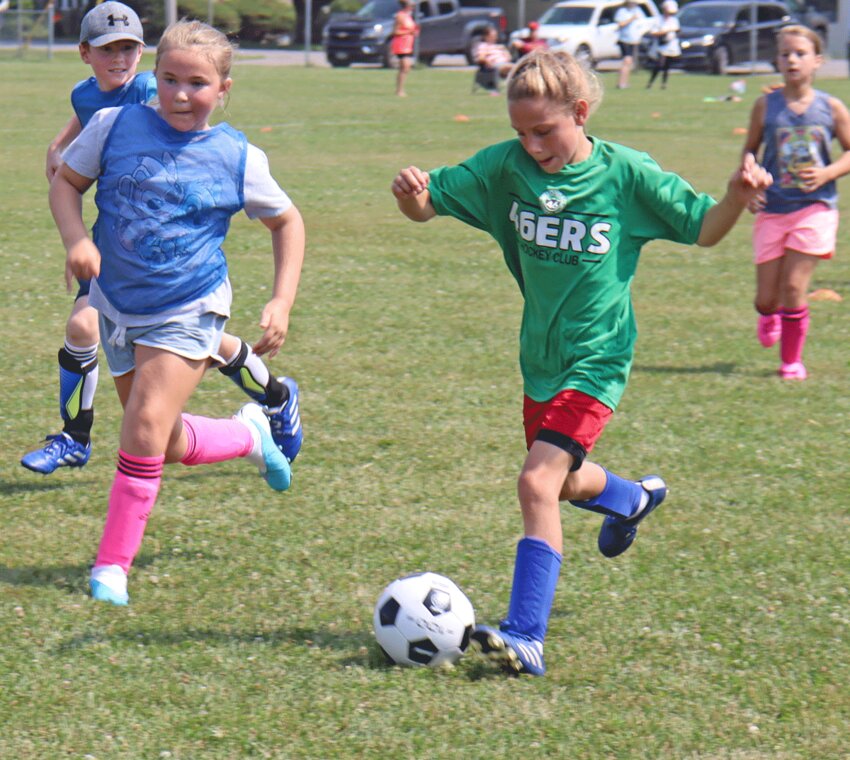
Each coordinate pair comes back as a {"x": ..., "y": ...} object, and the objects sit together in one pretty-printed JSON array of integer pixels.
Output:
[{"x": 493, "y": 59}]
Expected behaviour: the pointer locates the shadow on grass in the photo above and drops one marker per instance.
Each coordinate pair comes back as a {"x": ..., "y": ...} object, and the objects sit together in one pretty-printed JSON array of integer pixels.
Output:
[
  {"x": 40, "y": 483},
  {"x": 718, "y": 368},
  {"x": 70, "y": 578},
  {"x": 355, "y": 648},
  {"x": 355, "y": 645}
]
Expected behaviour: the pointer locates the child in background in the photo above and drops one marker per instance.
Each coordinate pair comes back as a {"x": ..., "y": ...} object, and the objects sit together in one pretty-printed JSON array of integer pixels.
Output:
[
  {"x": 111, "y": 42},
  {"x": 570, "y": 213},
  {"x": 629, "y": 32},
  {"x": 159, "y": 276},
  {"x": 797, "y": 218},
  {"x": 405, "y": 32},
  {"x": 666, "y": 41}
]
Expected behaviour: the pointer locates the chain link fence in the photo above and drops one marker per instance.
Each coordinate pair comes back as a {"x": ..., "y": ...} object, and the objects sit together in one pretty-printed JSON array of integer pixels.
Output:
[{"x": 24, "y": 30}]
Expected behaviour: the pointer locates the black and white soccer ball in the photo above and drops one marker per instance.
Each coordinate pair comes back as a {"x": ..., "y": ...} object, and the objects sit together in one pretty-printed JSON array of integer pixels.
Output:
[{"x": 423, "y": 619}]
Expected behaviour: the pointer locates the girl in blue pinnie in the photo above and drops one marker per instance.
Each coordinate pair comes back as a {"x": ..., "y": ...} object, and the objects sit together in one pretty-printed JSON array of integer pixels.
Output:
[{"x": 167, "y": 185}]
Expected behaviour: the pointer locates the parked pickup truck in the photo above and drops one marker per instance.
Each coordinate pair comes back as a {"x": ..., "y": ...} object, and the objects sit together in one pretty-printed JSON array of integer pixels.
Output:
[{"x": 446, "y": 26}]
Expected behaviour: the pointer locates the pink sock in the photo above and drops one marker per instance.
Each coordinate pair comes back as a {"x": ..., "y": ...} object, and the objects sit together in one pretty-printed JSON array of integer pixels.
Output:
[
  {"x": 131, "y": 500},
  {"x": 795, "y": 326},
  {"x": 215, "y": 440}
]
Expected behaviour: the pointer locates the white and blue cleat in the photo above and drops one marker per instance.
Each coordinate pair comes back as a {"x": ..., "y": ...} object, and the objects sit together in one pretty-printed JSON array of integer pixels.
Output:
[
  {"x": 514, "y": 653},
  {"x": 271, "y": 462},
  {"x": 108, "y": 583},
  {"x": 59, "y": 450},
  {"x": 285, "y": 422},
  {"x": 617, "y": 534}
]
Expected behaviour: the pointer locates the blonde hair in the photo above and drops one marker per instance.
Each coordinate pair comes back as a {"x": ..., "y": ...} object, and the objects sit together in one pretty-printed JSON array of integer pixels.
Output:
[
  {"x": 556, "y": 76},
  {"x": 802, "y": 31},
  {"x": 196, "y": 35}
]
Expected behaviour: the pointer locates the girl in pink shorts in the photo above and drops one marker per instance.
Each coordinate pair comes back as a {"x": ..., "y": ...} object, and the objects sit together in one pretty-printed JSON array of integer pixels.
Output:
[{"x": 797, "y": 216}]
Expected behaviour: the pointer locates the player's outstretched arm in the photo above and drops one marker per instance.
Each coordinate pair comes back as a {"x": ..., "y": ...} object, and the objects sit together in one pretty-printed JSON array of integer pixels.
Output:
[
  {"x": 410, "y": 188},
  {"x": 66, "y": 204},
  {"x": 746, "y": 183},
  {"x": 66, "y": 136},
  {"x": 288, "y": 243}
]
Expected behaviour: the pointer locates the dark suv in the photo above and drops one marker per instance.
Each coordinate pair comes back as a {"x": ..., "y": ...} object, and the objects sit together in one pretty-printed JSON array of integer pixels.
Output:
[{"x": 717, "y": 34}]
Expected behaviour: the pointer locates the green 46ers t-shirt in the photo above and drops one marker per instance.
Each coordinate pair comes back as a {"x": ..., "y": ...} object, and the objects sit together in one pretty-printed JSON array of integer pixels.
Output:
[{"x": 572, "y": 241}]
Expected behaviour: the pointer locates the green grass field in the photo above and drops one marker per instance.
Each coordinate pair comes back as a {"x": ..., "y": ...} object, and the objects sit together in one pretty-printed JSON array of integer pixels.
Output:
[{"x": 723, "y": 633}]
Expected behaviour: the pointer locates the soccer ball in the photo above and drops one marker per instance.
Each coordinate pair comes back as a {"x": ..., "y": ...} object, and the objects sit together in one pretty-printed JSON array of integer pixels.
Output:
[{"x": 423, "y": 619}]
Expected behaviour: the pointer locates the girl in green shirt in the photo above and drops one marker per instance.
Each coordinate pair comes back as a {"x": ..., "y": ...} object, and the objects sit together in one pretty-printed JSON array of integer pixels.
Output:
[{"x": 570, "y": 213}]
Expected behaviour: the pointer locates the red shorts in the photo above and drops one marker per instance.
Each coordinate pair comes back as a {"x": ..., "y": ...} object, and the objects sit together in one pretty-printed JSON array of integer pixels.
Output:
[{"x": 571, "y": 417}]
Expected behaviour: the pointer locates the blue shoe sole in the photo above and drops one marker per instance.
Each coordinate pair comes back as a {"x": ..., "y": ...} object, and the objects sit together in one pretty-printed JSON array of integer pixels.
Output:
[
  {"x": 278, "y": 473},
  {"x": 616, "y": 534},
  {"x": 103, "y": 593}
]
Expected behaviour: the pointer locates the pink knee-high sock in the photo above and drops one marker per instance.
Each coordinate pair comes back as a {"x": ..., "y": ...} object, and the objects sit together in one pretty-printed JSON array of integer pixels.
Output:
[
  {"x": 795, "y": 326},
  {"x": 215, "y": 440},
  {"x": 131, "y": 500}
]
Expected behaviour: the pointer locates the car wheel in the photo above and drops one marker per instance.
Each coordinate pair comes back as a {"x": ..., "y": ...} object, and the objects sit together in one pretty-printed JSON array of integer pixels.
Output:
[
  {"x": 720, "y": 60},
  {"x": 584, "y": 56},
  {"x": 388, "y": 60},
  {"x": 470, "y": 46},
  {"x": 428, "y": 60}
]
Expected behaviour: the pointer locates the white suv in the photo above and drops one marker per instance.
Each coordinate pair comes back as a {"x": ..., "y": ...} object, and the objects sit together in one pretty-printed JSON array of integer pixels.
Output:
[{"x": 586, "y": 28}]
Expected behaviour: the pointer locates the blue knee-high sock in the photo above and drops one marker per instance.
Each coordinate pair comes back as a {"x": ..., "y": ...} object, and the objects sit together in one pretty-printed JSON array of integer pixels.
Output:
[
  {"x": 619, "y": 498},
  {"x": 536, "y": 573}
]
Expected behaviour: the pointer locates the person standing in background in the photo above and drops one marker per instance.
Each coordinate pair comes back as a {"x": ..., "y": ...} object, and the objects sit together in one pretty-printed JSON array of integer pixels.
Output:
[{"x": 405, "y": 32}]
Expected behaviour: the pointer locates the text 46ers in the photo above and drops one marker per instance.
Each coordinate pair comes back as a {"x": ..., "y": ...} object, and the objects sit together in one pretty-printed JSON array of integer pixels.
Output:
[{"x": 560, "y": 232}]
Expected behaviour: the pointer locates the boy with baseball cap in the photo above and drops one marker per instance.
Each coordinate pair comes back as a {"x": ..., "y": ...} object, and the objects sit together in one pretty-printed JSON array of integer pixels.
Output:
[{"x": 111, "y": 42}]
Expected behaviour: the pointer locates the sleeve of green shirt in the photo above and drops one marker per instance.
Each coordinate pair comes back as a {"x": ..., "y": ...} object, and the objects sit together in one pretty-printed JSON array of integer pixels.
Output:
[
  {"x": 667, "y": 206},
  {"x": 461, "y": 191}
]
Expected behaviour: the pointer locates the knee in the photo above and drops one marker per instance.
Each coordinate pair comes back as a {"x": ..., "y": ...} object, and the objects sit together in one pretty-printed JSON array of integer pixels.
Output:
[
  {"x": 81, "y": 328},
  {"x": 766, "y": 304},
  {"x": 795, "y": 294},
  {"x": 146, "y": 429},
  {"x": 534, "y": 490}
]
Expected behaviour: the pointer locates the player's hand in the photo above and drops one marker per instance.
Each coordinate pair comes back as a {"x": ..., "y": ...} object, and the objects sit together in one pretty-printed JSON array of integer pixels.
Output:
[
  {"x": 274, "y": 322},
  {"x": 82, "y": 262},
  {"x": 410, "y": 182},
  {"x": 812, "y": 177},
  {"x": 54, "y": 161},
  {"x": 749, "y": 181},
  {"x": 757, "y": 203}
]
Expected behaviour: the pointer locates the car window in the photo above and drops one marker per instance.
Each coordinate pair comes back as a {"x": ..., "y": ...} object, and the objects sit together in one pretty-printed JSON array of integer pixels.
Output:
[
  {"x": 770, "y": 13},
  {"x": 571, "y": 14},
  {"x": 704, "y": 14},
  {"x": 743, "y": 17},
  {"x": 445, "y": 8},
  {"x": 423, "y": 11},
  {"x": 607, "y": 15},
  {"x": 378, "y": 9}
]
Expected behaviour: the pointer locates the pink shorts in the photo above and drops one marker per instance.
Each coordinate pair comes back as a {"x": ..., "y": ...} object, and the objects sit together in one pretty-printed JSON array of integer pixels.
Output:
[{"x": 811, "y": 230}]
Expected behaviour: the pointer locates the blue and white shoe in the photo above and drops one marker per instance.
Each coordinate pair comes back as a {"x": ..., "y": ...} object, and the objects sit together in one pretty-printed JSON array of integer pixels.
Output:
[
  {"x": 515, "y": 653},
  {"x": 108, "y": 583},
  {"x": 59, "y": 450},
  {"x": 285, "y": 422},
  {"x": 617, "y": 534},
  {"x": 273, "y": 465}
]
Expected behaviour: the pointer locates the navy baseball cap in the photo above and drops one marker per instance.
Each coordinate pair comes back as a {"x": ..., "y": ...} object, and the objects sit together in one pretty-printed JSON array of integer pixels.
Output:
[{"x": 109, "y": 22}]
